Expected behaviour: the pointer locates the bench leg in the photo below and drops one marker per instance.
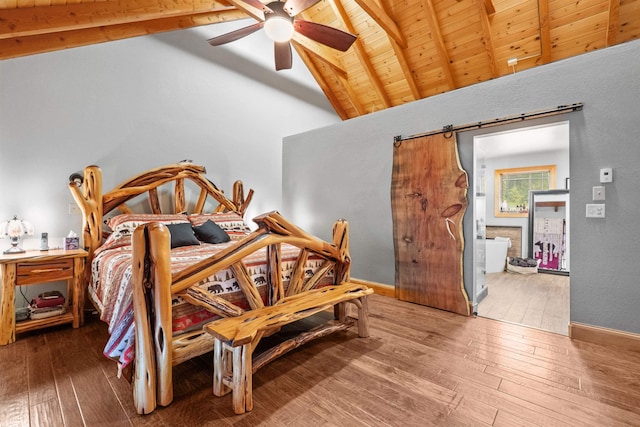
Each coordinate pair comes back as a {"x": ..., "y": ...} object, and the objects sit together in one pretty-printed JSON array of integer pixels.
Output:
[
  {"x": 363, "y": 317},
  {"x": 242, "y": 379},
  {"x": 340, "y": 312},
  {"x": 221, "y": 367},
  {"x": 232, "y": 372}
]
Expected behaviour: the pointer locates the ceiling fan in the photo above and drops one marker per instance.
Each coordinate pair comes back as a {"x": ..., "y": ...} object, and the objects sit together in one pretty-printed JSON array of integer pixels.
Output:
[{"x": 280, "y": 23}]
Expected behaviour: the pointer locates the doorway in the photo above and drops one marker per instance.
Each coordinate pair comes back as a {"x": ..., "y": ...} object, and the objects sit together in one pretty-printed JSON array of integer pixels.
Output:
[{"x": 505, "y": 163}]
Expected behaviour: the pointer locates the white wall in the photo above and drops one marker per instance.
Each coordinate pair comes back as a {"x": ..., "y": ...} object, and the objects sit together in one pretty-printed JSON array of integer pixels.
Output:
[
  {"x": 344, "y": 171},
  {"x": 139, "y": 103}
]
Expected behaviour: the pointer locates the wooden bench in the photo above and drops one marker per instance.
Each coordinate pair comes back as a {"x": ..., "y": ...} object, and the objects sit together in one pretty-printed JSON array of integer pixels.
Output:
[{"x": 235, "y": 338}]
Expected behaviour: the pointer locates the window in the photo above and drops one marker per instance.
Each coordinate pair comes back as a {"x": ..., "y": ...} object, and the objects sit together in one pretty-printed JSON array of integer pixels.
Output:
[{"x": 513, "y": 186}]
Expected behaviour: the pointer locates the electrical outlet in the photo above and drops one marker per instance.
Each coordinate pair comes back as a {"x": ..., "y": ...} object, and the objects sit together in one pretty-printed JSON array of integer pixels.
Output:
[
  {"x": 598, "y": 192},
  {"x": 73, "y": 209},
  {"x": 595, "y": 210}
]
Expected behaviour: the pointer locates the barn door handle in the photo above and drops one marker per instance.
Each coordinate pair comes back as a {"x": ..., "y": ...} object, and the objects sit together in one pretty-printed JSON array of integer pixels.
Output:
[{"x": 447, "y": 221}]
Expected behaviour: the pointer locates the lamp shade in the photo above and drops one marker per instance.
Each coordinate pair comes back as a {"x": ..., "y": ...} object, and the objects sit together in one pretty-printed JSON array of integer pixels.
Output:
[{"x": 14, "y": 229}]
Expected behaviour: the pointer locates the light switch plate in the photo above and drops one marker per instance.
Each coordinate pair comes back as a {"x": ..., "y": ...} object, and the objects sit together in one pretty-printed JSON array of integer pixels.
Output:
[
  {"x": 73, "y": 209},
  {"x": 595, "y": 210},
  {"x": 598, "y": 192}
]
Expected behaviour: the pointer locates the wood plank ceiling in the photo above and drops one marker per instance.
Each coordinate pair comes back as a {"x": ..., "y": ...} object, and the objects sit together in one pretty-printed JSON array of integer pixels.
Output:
[{"x": 406, "y": 49}]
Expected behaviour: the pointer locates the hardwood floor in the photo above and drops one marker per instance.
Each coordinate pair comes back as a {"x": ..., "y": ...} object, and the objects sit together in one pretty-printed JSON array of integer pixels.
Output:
[
  {"x": 537, "y": 300},
  {"x": 420, "y": 367}
]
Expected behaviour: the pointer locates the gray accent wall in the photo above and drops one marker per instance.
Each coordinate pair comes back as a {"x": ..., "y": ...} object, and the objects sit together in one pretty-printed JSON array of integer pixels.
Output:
[{"x": 344, "y": 171}]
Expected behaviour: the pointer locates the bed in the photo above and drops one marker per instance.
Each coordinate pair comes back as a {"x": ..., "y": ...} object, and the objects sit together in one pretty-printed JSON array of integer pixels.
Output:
[{"x": 156, "y": 278}]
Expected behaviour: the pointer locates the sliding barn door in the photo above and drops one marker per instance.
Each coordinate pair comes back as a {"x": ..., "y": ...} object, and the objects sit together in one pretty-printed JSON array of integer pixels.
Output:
[{"x": 428, "y": 200}]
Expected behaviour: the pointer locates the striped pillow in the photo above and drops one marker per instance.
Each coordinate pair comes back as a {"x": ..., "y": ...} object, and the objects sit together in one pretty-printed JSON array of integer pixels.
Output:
[{"x": 126, "y": 223}]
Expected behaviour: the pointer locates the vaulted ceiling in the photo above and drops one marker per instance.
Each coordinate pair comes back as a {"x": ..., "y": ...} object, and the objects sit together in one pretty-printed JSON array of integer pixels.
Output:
[{"x": 406, "y": 49}]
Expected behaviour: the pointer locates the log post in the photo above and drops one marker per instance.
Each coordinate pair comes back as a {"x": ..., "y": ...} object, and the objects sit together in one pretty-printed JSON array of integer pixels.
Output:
[
  {"x": 178, "y": 202},
  {"x": 88, "y": 196},
  {"x": 274, "y": 274},
  {"x": 7, "y": 306},
  {"x": 342, "y": 270},
  {"x": 219, "y": 389},
  {"x": 239, "y": 198},
  {"x": 144, "y": 377},
  {"x": 296, "y": 282},
  {"x": 242, "y": 379},
  {"x": 159, "y": 258},
  {"x": 363, "y": 316}
]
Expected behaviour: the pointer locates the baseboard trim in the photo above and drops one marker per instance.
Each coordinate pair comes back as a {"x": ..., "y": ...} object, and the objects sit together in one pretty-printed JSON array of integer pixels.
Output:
[
  {"x": 378, "y": 288},
  {"x": 604, "y": 336},
  {"x": 482, "y": 294}
]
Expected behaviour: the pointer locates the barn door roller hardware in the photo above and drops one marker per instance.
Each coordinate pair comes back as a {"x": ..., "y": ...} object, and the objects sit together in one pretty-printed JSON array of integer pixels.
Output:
[{"x": 448, "y": 130}]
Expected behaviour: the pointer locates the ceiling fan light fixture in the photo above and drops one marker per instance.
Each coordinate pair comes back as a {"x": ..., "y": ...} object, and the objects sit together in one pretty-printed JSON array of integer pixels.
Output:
[{"x": 278, "y": 28}]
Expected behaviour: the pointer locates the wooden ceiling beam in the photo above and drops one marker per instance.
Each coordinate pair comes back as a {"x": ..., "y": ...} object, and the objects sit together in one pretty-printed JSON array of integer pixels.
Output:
[
  {"x": 324, "y": 86},
  {"x": 323, "y": 52},
  {"x": 353, "y": 97},
  {"x": 384, "y": 20},
  {"x": 360, "y": 52},
  {"x": 31, "y": 21},
  {"x": 545, "y": 31},
  {"x": 248, "y": 9},
  {"x": 406, "y": 70},
  {"x": 613, "y": 22},
  {"x": 487, "y": 40},
  {"x": 41, "y": 43},
  {"x": 445, "y": 60},
  {"x": 489, "y": 7}
]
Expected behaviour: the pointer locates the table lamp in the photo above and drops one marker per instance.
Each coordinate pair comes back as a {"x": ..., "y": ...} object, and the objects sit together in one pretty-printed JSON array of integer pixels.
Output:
[{"x": 14, "y": 229}]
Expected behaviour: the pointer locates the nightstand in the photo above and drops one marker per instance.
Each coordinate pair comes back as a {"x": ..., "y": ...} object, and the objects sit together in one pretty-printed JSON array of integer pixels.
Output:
[{"x": 35, "y": 267}]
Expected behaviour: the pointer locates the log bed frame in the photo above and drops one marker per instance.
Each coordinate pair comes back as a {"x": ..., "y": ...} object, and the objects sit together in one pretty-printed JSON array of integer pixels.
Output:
[{"x": 157, "y": 351}]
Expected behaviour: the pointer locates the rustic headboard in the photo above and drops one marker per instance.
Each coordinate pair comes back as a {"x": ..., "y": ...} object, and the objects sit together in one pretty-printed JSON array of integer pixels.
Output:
[{"x": 86, "y": 189}]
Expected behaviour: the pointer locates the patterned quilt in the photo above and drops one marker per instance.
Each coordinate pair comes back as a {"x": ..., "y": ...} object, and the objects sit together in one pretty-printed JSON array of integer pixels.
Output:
[{"x": 110, "y": 288}]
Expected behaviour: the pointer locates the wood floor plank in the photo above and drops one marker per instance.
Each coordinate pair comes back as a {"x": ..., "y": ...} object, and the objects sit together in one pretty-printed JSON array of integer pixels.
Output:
[
  {"x": 427, "y": 355},
  {"x": 287, "y": 380},
  {"x": 615, "y": 395},
  {"x": 77, "y": 364},
  {"x": 506, "y": 419},
  {"x": 515, "y": 406},
  {"x": 419, "y": 367},
  {"x": 46, "y": 413},
  {"x": 480, "y": 413},
  {"x": 397, "y": 387},
  {"x": 331, "y": 393},
  {"x": 42, "y": 386},
  {"x": 579, "y": 408},
  {"x": 14, "y": 385}
]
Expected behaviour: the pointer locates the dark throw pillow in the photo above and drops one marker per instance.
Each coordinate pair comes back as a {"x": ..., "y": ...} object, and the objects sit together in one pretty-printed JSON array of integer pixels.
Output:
[
  {"x": 210, "y": 232},
  {"x": 182, "y": 235}
]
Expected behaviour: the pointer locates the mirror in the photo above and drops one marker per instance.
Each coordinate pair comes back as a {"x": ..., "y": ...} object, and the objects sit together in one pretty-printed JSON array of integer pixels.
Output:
[{"x": 549, "y": 230}]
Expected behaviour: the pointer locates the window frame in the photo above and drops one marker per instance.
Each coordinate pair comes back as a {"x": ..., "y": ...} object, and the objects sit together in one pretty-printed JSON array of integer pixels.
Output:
[{"x": 512, "y": 171}]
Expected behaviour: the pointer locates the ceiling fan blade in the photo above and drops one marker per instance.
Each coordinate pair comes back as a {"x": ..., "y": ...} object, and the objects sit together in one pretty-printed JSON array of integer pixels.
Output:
[
  {"x": 329, "y": 36},
  {"x": 282, "y": 51},
  {"x": 235, "y": 35},
  {"x": 258, "y": 5},
  {"x": 294, "y": 7}
]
